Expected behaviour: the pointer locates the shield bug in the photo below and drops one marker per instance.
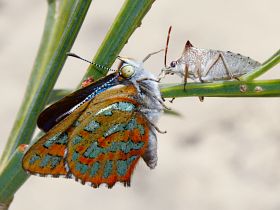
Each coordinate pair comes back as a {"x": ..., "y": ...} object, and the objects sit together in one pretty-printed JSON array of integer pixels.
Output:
[{"x": 207, "y": 65}]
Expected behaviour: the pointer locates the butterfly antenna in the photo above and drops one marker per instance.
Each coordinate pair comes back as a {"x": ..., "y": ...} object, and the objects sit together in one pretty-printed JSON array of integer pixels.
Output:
[
  {"x": 166, "y": 47},
  {"x": 93, "y": 63}
]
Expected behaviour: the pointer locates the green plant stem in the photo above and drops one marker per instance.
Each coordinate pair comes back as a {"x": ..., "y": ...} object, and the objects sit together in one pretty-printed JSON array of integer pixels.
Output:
[
  {"x": 50, "y": 63},
  {"x": 12, "y": 177},
  {"x": 57, "y": 95},
  {"x": 45, "y": 40},
  {"x": 246, "y": 87},
  {"x": 45, "y": 73},
  {"x": 34, "y": 77},
  {"x": 128, "y": 19},
  {"x": 268, "y": 64},
  {"x": 256, "y": 88}
]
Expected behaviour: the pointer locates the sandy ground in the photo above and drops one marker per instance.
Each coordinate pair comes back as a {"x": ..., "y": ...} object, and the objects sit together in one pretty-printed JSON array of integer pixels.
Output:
[{"x": 222, "y": 154}]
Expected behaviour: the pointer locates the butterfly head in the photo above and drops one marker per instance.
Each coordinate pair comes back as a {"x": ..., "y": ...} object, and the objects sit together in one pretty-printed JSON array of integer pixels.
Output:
[
  {"x": 128, "y": 67},
  {"x": 132, "y": 70}
]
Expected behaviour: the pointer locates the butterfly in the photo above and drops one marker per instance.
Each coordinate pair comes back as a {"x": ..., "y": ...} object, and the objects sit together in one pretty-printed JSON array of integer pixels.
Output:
[{"x": 97, "y": 134}]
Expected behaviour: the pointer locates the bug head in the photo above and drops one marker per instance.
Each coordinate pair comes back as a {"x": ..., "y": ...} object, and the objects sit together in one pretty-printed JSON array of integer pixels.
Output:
[
  {"x": 167, "y": 69},
  {"x": 171, "y": 69}
]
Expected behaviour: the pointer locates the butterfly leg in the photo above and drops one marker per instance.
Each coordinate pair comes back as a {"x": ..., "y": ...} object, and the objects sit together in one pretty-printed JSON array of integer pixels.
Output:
[
  {"x": 150, "y": 54},
  {"x": 149, "y": 79},
  {"x": 150, "y": 118},
  {"x": 153, "y": 95},
  {"x": 157, "y": 129},
  {"x": 154, "y": 80}
]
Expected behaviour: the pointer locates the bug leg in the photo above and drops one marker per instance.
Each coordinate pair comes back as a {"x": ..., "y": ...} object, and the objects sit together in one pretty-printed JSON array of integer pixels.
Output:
[
  {"x": 199, "y": 75},
  {"x": 171, "y": 101},
  {"x": 201, "y": 98},
  {"x": 215, "y": 60},
  {"x": 150, "y": 54},
  {"x": 226, "y": 66},
  {"x": 198, "y": 71},
  {"x": 237, "y": 78},
  {"x": 186, "y": 75}
]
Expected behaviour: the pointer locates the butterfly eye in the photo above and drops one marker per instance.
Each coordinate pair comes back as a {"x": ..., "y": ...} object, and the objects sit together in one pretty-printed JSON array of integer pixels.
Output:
[
  {"x": 173, "y": 64},
  {"x": 127, "y": 71}
]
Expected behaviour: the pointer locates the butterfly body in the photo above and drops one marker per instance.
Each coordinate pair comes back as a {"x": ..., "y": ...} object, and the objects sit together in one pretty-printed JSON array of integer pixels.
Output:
[{"x": 102, "y": 139}]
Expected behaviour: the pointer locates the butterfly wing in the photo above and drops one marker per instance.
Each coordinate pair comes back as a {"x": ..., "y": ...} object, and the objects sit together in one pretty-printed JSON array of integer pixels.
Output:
[
  {"x": 110, "y": 139},
  {"x": 46, "y": 156},
  {"x": 56, "y": 112}
]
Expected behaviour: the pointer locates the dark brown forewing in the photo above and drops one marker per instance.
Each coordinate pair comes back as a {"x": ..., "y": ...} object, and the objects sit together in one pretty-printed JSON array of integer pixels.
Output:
[{"x": 52, "y": 115}]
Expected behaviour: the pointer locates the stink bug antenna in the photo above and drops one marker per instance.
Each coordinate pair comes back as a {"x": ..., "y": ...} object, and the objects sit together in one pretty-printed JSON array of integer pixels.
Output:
[
  {"x": 93, "y": 63},
  {"x": 166, "y": 47}
]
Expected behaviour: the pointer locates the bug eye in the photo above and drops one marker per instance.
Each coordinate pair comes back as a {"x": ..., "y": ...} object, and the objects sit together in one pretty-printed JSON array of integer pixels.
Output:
[
  {"x": 127, "y": 71},
  {"x": 173, "y": 64}
]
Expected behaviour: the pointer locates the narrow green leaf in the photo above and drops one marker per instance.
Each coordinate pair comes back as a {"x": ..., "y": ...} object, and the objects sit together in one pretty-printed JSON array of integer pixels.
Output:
[
  {"x": 60, "y": 33},
  {"x": 70, "y": 16},
  {"x": 128, "y": 19}
]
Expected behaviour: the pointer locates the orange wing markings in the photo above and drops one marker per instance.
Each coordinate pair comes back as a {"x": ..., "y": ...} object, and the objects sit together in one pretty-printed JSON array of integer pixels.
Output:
[
  {"x": 109, "y": 155},
  {"x": 46, "y": 156}
]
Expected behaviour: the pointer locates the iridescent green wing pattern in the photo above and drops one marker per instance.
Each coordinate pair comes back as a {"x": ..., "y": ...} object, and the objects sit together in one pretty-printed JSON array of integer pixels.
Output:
[
  {"x": 108, "y": 141},
  {"x": 46, "y": 156}
]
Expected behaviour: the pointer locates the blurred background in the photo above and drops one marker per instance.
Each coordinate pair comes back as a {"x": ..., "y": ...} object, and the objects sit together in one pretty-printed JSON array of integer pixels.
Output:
[{"x": 223, "y": 153}]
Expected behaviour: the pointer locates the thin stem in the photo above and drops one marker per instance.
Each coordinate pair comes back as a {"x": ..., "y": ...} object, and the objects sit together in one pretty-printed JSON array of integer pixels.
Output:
[
  {"x": 19, "y": 127},
  {"x": 12, "y": 176},
  {"x": 268, "y": 64},
  {"x": 256, "y": 88},
  {"x": 46, "y": 71},
  {"x": 45, "y": 40}
]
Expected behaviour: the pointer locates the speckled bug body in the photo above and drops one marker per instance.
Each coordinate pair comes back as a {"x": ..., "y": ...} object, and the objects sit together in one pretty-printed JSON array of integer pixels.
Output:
[{"x": 207, "y": 65}]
